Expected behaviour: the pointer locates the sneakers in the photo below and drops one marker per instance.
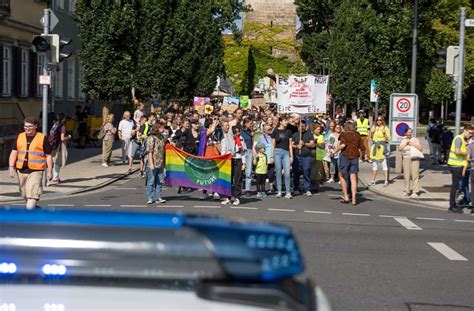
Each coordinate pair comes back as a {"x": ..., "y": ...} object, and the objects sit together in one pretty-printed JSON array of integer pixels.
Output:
[
  {"x": 414, "y": 195},
  {"x": 372, "y": 182},
  {"x": 216, "y": 196},
  {"x": 330, "y": 181},
  {"x": 385, "y": 184},
  {"x": 226, "y": 202},
  {"x": 160, "y": 200},
  {"x": 278, "y": 195},
  {"x": 236, "y": 202},
  {"x": 259, "y": 195},
  {"x": 105, "y": 165},
  {"x": 54, "y": 182},
  {"x": 288, "y": 196},
  {"x": 150, "y": 201},
  {"x": 308, "y": 194},
  {"x": 142, "y": 175}
]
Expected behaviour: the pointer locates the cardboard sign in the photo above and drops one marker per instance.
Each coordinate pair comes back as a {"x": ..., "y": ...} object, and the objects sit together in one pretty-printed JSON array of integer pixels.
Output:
[{"x": 230, "y": 103}]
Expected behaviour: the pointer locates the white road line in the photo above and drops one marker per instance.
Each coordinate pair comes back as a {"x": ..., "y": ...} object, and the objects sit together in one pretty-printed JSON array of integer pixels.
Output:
[
  {"x": 391, "y": 216},
  {"x": 119, "y": 188},
  {"x": 59, "y": 205},
  {"x": 281, "y": 210},
  {"x": 176, "y": 206},
  {"x": 353, "y": 214},
  {"x": 318, "y": 212},
  {"x": 206, "y": 206},
  {"x": 408, "y": 224},
  {"x": 447, "y": 251},
  {"x": 243, "y": 207},
  {"x": 132, "y": 205},
  {"x": 428, "y": 218},
  {"x": 97, "y": 205},
  {"x": 459, "y": 220}
]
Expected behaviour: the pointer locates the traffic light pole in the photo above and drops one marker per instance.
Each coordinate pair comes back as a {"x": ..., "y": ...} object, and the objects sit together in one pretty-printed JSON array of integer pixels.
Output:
[
  {"x": 460, "y": 81},
  {"x": 45, "y": 86}
]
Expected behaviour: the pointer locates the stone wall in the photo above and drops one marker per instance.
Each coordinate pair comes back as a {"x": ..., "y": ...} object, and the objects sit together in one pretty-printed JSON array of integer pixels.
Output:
[{"x": 280, "y": 12}]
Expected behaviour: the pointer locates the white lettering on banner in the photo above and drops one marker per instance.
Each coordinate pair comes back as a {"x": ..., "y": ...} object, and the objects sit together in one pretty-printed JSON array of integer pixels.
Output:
[{"x": 306, "y": 94}]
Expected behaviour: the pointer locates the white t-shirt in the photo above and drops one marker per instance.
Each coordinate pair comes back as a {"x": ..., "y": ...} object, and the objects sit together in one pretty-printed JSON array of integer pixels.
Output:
[{"x": 125, "y": 127}]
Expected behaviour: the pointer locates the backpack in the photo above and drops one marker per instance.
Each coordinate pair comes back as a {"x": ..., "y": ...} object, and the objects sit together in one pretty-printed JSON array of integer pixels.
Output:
[
  {"x": 54, "y": 137},
  {"x": 435, "y": 135},
  {"x": 101, "y": 133},
  {"x": 430, "y": 130}
]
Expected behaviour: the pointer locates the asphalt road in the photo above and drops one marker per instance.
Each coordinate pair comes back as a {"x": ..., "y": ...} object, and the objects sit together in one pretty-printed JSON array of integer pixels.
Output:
[{"x": 380, "y": 255}]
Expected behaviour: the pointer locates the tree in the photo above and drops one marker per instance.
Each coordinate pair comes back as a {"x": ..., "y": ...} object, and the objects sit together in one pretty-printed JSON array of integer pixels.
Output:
[
  {"x": 172, "y": 48},
  {"x": 439, "y": 88}
]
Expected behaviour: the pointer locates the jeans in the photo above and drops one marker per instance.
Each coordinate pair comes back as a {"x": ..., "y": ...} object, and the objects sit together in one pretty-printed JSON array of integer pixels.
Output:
[
  {"x": 436, "y": 153},
  {"x": 465, "y": 187},
  {"x": 456, "y": 176},
  {"x": 56, "y": 169},
  {"x": 282, "y": 162},
  {"x": 248, "y": 170},
  {"x": 154, "y": 179},
  {"x": 303, "y": 165}
]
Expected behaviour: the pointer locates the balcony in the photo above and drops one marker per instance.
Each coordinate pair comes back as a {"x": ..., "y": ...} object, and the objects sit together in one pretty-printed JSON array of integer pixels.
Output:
[{"x": 4, "y": 8}]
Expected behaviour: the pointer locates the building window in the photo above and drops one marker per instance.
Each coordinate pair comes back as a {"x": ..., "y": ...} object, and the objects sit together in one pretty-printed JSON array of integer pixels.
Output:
[
  {"x": 58, "y": 81},
  {"x": 60, "y": 4},
  {"x": 7, "y": 71},
  {"x": 82, "y": 95},
  {"x": 41, "y": 59},
  {"x": 25, "y": 74},
  {"x": 71, "y": 78},
  {"x": 72, "y": 6}
]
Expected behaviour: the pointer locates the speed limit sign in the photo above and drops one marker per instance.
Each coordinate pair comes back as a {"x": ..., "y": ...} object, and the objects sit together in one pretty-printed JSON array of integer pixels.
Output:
[{"x": 403, "y": 106}]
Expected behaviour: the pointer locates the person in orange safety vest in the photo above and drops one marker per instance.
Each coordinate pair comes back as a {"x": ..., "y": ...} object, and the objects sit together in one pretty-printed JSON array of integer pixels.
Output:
[{"x": 30, "y": 156}]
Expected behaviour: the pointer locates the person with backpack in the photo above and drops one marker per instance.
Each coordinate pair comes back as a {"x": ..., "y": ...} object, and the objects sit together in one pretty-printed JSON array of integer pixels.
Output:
[
  {"x": 155, "y": 164},
  {"x": 57, "y": 139},
  {"x": 435, "y": 138}
]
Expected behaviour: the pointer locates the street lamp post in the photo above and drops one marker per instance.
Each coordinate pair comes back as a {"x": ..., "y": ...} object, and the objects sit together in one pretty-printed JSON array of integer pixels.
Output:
[{"x": 414, "y": 47}]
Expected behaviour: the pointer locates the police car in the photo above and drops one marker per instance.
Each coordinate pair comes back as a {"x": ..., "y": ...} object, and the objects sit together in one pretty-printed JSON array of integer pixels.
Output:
[{"x": 55, "y": 260}]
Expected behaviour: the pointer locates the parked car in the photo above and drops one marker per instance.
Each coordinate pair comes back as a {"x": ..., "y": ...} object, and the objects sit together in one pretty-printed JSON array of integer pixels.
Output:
[
  {"x": 104, "y": 260},
  {"x": 464, "y": 116}
]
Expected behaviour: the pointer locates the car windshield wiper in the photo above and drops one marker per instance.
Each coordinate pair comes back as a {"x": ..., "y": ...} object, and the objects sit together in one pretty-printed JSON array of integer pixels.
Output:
[{"x": 223, "y": 257}]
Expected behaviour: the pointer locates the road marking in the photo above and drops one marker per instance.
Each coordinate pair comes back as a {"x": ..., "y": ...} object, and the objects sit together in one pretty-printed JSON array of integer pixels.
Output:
[
  {"x": 318, "y": 212},
  {"x": 243, "y": 207},
  {"x": 176, "y": 206},
  {"x": 281, "y": 210},
  {"x": 459, "y": 220},
  {"x": 428, "y": 218},
  {"x": 206, "y": 206},
  {"x": 447, "y": 251},
  {"x": 408, "y": 224},
  {"x": 353, "y": 214},
  {"x": 391, "y": 216},
  {"x": 59, "y": 205},
  {"x": 132, "y": 205},
  {"x": 334, "y": 195},
  {"x": 119, "y": 188},
  {"x": 97, "y": 205}
]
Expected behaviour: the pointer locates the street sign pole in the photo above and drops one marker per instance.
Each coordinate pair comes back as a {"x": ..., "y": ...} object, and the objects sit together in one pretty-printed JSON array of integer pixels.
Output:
[
  {"x": 45, "y": 86},
  {"x": 460, "y": 81}
]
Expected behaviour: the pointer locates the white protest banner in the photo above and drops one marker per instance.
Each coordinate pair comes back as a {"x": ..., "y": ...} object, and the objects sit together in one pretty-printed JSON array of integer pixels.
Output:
[
  {"x": 230, "y": 103},
  {"x": 302, "y": 94}
]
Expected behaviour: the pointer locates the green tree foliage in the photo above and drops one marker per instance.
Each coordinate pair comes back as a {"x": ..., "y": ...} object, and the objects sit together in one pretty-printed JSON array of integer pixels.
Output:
[
  {"x": 439, "y": 88},
  {"x": 248, "y": 60},
  {"x": 171, "y": 48}
]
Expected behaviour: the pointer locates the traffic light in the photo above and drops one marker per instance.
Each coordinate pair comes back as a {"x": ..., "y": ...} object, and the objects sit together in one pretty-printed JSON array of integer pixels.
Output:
[
  {"x": 448, "y": 59},
  {"x": 53, "y": 45}
]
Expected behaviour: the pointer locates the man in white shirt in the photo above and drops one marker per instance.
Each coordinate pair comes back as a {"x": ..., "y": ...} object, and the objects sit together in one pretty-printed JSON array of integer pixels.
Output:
[{"x": 125, "y": 134}]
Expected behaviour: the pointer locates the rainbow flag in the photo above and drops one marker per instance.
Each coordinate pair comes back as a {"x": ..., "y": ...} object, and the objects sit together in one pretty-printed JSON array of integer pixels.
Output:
[{"x": 208, "y": 173}]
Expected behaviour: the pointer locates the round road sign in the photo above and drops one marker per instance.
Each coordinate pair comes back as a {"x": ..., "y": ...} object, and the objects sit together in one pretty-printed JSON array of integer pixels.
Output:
[
  {"x": 401, "y": 129},
  {"x": 403, "y": 104}
]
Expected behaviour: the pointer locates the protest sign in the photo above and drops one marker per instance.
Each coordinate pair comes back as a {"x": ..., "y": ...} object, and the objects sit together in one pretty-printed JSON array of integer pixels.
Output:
[
  {"x": 200, "y": 102},
  {"x": 302, "y": 94},
  {"x": 230, "y": 103},
  {"x": 244, "y": 102}
]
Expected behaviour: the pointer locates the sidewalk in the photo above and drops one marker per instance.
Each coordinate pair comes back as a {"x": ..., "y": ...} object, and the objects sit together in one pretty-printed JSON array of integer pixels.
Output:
[
  {"x": 83, "y": 172},
  {"x": 435, "y": 181}
]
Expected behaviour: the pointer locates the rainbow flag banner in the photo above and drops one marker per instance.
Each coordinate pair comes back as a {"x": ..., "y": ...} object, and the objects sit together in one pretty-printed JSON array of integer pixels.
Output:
[{"x": 208, "y": 173}]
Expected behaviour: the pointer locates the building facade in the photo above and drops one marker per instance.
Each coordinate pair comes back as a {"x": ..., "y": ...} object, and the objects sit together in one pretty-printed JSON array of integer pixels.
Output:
[{"x": 20, "y": 92}]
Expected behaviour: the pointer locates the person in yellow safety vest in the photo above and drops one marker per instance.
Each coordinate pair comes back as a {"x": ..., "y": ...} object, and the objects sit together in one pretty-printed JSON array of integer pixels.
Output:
[
  {"x": 457, "y": 161},
  {"x": 317, "y": 170},
  {"x": 362, "y": 127},
  {"x": 31, "y": 154},
  {"x": 380, "y": 137}
]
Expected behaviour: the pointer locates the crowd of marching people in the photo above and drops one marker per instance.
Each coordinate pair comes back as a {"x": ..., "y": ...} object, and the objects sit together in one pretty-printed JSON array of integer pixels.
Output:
[{"x": 282, "y": 154}]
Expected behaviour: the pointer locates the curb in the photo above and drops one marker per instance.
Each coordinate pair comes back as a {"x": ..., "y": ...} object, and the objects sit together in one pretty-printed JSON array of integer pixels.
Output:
[
  {"x": 395, "y": 198},
  {"x": 92, "y": 188}
]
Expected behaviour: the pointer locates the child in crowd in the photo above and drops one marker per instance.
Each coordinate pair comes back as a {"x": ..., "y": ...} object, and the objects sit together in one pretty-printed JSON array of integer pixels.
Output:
[{"x": 261, "y": 168}]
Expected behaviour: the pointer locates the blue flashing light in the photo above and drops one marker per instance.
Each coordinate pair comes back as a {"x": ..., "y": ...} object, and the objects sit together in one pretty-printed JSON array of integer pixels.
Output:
[
  {"x": 53, "y": 269},
  {"x": 98, "y": 218},
  {"x": 7, "y": 268}
]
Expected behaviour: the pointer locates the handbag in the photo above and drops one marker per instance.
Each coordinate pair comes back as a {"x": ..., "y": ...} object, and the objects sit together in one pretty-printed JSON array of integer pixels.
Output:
[{"x": 415, "y": 153}]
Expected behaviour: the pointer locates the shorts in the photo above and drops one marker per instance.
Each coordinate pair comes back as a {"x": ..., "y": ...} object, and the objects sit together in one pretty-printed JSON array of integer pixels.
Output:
[
  {"x": 348, "y": 166},
  {"x": 31, "y": 185},
  {"x": 132, "y": 149}
]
